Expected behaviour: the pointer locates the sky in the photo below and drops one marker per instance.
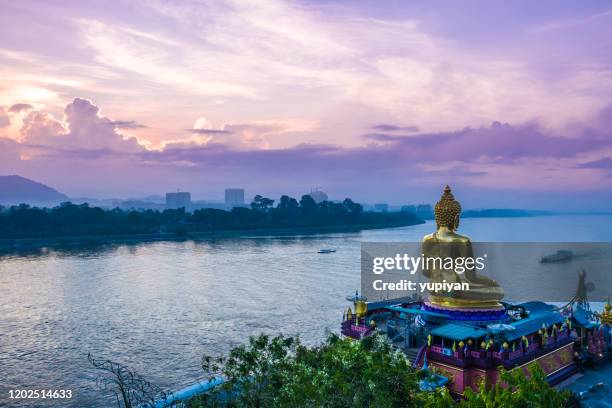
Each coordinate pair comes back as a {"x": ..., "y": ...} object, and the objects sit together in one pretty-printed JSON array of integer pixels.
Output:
[{"x": 383, "y": 101}]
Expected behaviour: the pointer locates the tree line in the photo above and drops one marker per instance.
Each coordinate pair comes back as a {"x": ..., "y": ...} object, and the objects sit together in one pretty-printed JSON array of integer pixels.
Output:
[{"x": 68, "y": 219}]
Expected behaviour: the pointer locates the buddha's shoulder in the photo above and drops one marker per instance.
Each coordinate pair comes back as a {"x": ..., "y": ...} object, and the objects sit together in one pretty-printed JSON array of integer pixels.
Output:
[
  {"x": 452, "y": 237},
  {"x": 461, "y": 238},
  {"x": 429, "y": 237}
]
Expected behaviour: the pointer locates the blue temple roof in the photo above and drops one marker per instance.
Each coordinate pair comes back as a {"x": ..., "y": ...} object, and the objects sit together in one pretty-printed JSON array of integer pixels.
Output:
[
  {"x": 583, "y": 317},
  {"x": 379, "y": 304},
  {"x": 537, "y": 306},
  {"x": 456, "y": 331},
  {"x": 416, "y": 311},
  {"x": 532, "y": 324}
]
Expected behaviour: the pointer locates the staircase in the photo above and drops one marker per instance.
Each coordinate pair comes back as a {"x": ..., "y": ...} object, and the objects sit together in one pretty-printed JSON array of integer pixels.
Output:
[{"x": 412, "y": 354}]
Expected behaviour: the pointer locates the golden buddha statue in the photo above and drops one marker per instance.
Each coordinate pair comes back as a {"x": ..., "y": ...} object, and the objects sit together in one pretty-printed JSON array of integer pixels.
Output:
[{"x": 483, "y": 293}]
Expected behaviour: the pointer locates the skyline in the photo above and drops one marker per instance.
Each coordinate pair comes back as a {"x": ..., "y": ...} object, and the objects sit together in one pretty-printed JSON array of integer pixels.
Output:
[{"x": 380, "y": 102}]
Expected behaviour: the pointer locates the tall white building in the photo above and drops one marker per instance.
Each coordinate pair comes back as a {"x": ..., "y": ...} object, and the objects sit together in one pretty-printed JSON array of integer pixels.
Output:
[
  {"x": 234, "y": 197},
  {"x": 181, "y": 199}
]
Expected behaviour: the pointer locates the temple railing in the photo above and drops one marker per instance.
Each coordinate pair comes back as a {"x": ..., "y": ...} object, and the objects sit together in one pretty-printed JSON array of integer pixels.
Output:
[
  {"x": 535, "y": 352},
  {"x": 489, "y": 358},
  {"x": 350, "y": 328}
]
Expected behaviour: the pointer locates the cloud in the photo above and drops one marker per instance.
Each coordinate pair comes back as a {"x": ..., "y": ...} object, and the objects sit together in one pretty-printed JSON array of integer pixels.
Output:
[
  {"x": 525, "y": 156},
  {"x": 570, "y": 23},
  {"x": 313, "y": 62},
  {"x": 252, "y": 135},
  {"x": 20, "y": 107},
  {"x": 4, "y": 119},
  {"x": 127, "y": 124},
  {"x": 82, "y": 128},
  {"x": 604, "y": 163},
  {"x": 209, "y": 131},
  {"x": 385, "y": 127},
  {"x": 473, "y": 155},
  {"x": 383, "y": 137},
  {"x": 41, "y": 128}
]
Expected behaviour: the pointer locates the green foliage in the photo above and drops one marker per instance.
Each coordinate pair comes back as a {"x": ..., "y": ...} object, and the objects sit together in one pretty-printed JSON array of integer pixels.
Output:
[
  {"x": 520, "y": 391},
  {"x": 280, "y": 372},
  {"x": 69, "y": 219}
]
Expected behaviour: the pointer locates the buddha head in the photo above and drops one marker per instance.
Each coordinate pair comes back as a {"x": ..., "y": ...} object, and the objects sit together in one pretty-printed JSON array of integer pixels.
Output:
[{"x": 447, "y": 211}]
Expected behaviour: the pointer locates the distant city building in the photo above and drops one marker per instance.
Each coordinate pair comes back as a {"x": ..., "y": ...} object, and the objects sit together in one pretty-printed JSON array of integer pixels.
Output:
[
  {"x": 424, "y": 211},
  {"x": 234, "y": 197},
  {"x": 181, "y": 199},
  {"x": 382, "y": 207},
  {"x": 409, "y": 209},
  {"x": 318, "y": 195}
]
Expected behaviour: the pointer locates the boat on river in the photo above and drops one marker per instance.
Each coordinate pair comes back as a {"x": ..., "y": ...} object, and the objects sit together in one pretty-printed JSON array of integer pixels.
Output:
[{"x": 558, "y": 257}]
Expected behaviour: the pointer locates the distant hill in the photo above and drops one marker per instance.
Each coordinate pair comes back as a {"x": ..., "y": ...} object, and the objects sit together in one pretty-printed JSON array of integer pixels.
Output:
[{"x": 17, "y": 190}]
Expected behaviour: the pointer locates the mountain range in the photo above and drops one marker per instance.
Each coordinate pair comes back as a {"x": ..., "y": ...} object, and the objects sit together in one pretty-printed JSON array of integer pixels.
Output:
[{"x": 16, "y": 190}]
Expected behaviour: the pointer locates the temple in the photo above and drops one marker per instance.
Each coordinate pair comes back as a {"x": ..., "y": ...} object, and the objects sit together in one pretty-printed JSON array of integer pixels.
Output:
[{"x": 466, "y": 338}]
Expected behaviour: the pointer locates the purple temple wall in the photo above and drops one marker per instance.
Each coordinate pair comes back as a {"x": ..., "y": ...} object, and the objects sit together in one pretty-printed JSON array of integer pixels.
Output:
[{"x": 462, "y": 378}]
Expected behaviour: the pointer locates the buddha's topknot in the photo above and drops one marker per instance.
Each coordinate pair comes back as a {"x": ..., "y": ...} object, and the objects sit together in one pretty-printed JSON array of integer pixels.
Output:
[{"x": 447, "y": 210}]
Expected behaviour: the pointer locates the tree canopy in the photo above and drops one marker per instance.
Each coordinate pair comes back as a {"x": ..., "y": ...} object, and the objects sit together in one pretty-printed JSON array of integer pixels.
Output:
[{"x": 281, "y": 372}]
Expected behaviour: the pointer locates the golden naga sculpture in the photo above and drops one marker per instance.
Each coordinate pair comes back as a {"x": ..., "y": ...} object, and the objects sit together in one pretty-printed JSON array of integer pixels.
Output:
[
  {"x": 484, "y": 293},
  {"x": 606, "y": 316}
]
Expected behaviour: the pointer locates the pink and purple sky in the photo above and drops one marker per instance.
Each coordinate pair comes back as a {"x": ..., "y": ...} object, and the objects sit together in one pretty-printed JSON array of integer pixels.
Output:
[{"x": 509, "y": 102}]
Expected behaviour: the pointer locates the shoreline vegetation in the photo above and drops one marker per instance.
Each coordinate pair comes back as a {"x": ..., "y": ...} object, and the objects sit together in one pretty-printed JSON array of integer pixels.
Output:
[{"x": 69, "y": 225}]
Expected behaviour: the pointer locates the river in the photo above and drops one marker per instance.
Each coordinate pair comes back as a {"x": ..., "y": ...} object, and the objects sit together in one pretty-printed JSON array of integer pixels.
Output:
[{"x": 158, "y": 307}]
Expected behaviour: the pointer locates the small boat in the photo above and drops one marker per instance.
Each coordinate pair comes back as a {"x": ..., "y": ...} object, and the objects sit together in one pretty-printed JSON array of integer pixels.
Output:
[
  {"x": 560, "y": 256},
  {"x": 327, "y": 251}
]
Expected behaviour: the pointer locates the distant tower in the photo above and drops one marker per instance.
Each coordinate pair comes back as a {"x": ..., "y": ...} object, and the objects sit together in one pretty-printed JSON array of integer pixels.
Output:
[
  {"x": 234, "y": 197},
  {"x": 318, "y": 196}
]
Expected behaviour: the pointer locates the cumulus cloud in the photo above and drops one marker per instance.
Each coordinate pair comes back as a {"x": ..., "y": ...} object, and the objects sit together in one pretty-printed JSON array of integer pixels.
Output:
[
  {"x": 42, "y": 128},
  {"x": 253, "y": 135},
  {"x": 4, "y": 119},
  {"x": 83, "y": 128},
  {"x": 20, "y": 107}
]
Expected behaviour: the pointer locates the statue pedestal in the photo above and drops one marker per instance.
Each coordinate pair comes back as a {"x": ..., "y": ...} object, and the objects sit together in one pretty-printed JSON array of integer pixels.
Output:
[{"x": 473, "y": 316}]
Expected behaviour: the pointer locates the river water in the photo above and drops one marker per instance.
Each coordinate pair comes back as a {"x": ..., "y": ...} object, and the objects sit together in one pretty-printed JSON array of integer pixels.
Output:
[{"x": 158, "y": 307}]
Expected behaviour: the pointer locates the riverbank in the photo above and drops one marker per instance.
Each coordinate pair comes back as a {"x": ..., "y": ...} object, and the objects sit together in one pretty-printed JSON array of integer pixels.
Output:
[{"x": 17, "y": 245}]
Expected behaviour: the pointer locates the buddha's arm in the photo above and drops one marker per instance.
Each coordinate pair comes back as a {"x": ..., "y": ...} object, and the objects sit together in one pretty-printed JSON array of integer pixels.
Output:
[
  {"x": 426, "y": 247},
  {"x": 471, "y": 274},
  {"x": 466, "y": 252}
]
